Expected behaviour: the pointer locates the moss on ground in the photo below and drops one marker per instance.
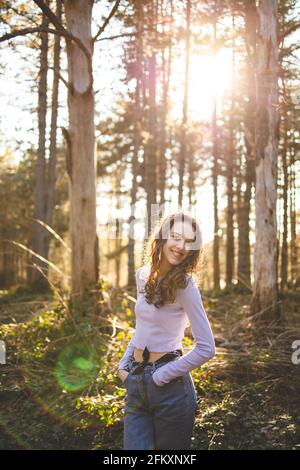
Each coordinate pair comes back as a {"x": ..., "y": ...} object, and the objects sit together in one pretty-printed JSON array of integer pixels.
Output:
[{"x": 59, "y": 388}]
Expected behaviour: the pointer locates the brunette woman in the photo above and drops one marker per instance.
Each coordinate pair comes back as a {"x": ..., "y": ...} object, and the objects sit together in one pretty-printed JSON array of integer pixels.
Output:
[{"x": 161, "y": 400}]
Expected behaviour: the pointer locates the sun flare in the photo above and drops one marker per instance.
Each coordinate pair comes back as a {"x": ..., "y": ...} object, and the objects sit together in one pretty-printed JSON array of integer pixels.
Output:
[{"x": 208, "y": 79}]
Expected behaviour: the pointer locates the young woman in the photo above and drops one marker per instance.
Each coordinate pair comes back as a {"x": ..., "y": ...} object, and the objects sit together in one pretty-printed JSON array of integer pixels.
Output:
[{"x": 161, "y": 400}]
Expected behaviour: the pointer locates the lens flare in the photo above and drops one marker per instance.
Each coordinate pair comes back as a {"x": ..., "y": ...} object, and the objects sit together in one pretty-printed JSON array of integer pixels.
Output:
[{"x": 76, "y": 367}]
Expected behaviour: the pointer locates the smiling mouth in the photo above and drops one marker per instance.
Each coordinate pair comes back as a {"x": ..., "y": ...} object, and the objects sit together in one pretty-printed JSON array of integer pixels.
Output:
[{"x": 176, "y": 255}]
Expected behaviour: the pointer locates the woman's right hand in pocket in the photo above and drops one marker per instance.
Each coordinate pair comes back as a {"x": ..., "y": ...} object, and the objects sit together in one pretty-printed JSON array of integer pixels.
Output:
[{"x": 123, "y": 374}]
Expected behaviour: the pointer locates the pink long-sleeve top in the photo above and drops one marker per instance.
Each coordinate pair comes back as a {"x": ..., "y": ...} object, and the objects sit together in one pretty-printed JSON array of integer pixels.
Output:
[{"x": 162, "y": 329}]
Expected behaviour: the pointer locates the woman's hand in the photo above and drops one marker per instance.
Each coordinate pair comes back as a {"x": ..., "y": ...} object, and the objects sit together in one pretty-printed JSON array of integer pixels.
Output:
[{"x": 122, "y": 373}]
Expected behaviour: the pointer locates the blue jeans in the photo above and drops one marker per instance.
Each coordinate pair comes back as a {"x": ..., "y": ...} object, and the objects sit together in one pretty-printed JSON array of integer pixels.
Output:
[{"x": 158, "y": 417}]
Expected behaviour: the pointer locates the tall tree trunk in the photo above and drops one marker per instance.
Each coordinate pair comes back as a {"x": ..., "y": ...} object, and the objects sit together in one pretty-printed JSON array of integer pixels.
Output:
[
  {"x": 229, "y": 179},
  {"x": 38, "y": 231},
  {"x": 266, "y": 147},
  {"x": 243, "y": 265},
  {"x": 183, "y": 142},
  {"x": 133, "y": 193},
  {"x": 284, "y": 245},
  {"x": 215, "y": 153},
  {"x": 243, "y": 268},
  {"x": 166, "y": 74},
  {"x": 53, "y": 132},
  {"x": 81, "y": 137},
  {"x": 295, "y": 278},
  {"x": 151, "y": 145},
  {"x": 136, "y": 147},
  {"x": 118, "y": 239}
]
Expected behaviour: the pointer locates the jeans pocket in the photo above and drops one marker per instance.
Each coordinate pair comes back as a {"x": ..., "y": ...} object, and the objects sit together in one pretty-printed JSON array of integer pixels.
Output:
[
  {"x": 176, "y": 380},
  {"x": 130, "y": 369},
  {"x": 126, "y": 378},
  {"x": 172, "y": 381},
  {"x": 152, "y": 380},
  {"x": 179, "y": 379}
]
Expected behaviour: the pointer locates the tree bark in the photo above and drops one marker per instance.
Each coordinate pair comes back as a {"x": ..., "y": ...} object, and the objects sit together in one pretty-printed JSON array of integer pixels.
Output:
[
  {"x": 215, "y": 170},
  {"x": 53, "y": 132},
  {"x": 231, "y": 156},
  {"x": 264, "y": 298},
  {"x": 136, "y": 148},
  {"x": 284, "y": 244},
  {"x": 81, "y": 138},
  {"x": 151, "y": 145},
  {"x": 244, "y": 265},
  {"x": 166, "y": 74},
  {"x": 38, "y": 231},
  {"x": 295, "y": 278},
  {"x": 184, "y": 124}
]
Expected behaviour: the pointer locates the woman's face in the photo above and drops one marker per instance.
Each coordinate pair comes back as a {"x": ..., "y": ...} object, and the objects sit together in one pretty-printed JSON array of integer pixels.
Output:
[{"x": 176, "y": 248}]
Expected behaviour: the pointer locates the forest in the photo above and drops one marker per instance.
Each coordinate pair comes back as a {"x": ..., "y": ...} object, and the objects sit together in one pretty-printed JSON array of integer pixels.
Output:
[{"x": 115, "y": 113}]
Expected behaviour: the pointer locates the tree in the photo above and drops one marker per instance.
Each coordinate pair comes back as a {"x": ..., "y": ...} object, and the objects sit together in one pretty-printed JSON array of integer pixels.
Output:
[
  {"x": 266, "y": 156},
  {"x": 184, "y": 124},
  {"x": 81, "y": 144},
  {"x": 151, "y": 144},
  {"x": 51, "y": 180},
  {"x": 80, "y": 139},
  {"x": 243, "y": 265},
  {"x": 40, "y": 195},
  {"x": 215, "y": 170}
]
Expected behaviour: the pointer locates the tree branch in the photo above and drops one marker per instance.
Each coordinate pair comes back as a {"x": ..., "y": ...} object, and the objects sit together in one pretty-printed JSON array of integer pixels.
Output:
[
  {"x": 52, "y": 17},
  {"x": 23, "y": 32},
  {"x": 288, "y": 31},
  {"x": 60, "y": 30},
  {"x": 135, "y": 33},
  {"x": 55, "y": 21},
  {"x": 61, "y": 77},
  {"x": 124, "y": 35},
  {"x": 102, "y": 28}
]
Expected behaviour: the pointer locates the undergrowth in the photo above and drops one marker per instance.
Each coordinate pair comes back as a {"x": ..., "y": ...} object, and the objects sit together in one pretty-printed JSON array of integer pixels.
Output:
[{"x": 59, "y": 388}]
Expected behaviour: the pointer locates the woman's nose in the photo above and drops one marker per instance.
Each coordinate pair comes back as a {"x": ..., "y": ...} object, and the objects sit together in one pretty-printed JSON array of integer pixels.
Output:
[{"x": 180, "y": 244}]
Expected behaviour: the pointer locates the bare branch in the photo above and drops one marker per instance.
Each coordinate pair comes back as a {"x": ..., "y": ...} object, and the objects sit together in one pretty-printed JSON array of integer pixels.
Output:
[
  {"x": 135, "y": 33},
  {"x": 120, "y": 36},
  {"x": 40, "y": 29},
  {"x": 50, "y": 15},
  {"x": 60, "y": 30},
  {"x": 65, "y": 82},
  {"x": 23, "y": 32},
  {"x": 288, "y": 31},
  {"x": 66, "y": 34},
  {"x": 102, "y": 28},
  {"x": 55, "y": 21}
]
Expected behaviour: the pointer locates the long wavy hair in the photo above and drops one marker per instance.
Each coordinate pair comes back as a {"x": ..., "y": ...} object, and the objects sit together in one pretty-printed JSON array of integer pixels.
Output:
[{"x": 160, "y": 292}]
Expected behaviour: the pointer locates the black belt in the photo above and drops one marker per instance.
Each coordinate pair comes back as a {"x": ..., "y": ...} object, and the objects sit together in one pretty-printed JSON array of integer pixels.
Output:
[{"x": 146, "y": 354}]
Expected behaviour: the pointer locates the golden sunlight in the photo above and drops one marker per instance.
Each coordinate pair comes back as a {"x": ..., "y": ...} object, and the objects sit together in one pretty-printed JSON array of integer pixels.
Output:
[{"x": 208, "y": 79}]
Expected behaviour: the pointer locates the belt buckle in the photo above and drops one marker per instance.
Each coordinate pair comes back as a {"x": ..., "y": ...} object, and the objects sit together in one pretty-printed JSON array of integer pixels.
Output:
[{"x": 139, "y": 368}]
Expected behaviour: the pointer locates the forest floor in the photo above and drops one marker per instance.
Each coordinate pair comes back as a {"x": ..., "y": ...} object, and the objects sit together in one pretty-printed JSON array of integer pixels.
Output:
[{"x": 59, "y": 388}]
